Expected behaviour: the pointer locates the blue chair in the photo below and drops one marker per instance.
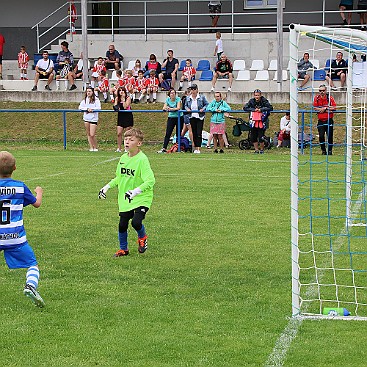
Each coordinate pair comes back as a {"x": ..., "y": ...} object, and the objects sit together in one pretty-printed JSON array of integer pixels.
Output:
[
  {"x": 319, "y": 74},
  {"x": 182, "y": 65},
  {"x": 327, "y": 64},
  {"x": 203, "y": 65},
  {"x": 206, "y": 75}
]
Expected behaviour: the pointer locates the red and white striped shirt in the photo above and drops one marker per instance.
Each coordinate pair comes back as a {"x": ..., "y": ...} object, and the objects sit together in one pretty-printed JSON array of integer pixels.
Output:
[
  {"x": 23, "y": 59},
  {"x": 152, "y": 82},
  {"x": 98, "y": 68},
  {"x": 140, "y": 83},
  {"x": 104, "y": 85},
  {"x": 189, "y": 71}
]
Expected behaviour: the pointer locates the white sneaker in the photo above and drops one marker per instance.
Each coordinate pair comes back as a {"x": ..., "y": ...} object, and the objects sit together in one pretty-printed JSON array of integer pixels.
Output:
[
  {"x": 118, "y": 150},
  {"x": 95, "y": 150},
  {"x": 35, "y": 297},
  {"x": 162, "y": 151},
  {"x": 229, "y": 89},
  {"x": 91, "y": 150},
  {"x": 196, "y": 151},
  {"x": 212, "y": 89}
]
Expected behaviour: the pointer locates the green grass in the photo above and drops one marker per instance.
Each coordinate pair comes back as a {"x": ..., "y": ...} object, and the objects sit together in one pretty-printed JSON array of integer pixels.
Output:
[
  {"x": 212, "y": 290},
  {"x": 214, "y": 287}
]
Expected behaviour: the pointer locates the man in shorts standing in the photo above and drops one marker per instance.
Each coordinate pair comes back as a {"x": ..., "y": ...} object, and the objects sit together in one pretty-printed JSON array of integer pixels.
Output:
[{"x": 215, "y": 8}]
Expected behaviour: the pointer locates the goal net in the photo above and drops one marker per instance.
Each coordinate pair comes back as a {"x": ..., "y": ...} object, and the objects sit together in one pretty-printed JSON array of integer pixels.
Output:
[{"x": 328, "y": 192}]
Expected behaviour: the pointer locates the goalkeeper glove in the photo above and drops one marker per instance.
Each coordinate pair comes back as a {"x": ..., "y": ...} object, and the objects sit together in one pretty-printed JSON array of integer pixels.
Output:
[
  {"x": 103, "y": 191},
  {"x": 129, "y": 195}
]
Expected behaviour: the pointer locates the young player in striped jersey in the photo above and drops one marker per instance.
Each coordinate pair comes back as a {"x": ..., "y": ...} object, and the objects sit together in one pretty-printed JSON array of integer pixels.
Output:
[
  {"x": 23, "y": 59},
  {"x": 14, "y": 196},
  {"x": 140, "y": 86},
  {"x": 151, "y": 85},
  {"x": 99, "y": 65},
  {"x": 135, "y": 181},
  {"x": 188, "y": 74},
  {"x": 103, "y": 86}
]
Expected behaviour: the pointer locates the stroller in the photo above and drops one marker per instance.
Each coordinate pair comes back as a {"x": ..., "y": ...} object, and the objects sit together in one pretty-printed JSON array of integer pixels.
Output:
[{"x": 242, "y": 125}]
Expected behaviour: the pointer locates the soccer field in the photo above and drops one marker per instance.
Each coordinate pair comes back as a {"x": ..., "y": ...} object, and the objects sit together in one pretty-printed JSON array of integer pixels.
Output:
[{"x": 213, "y": 289}]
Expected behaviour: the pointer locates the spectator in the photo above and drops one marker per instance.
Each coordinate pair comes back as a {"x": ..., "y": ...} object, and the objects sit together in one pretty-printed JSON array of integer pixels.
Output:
[
  {"x": 346, "y": 5},
  {"x": 303, "y": 65},
  {"x": 362, "y": 5},
  {"x": 259, "y": 108},
  {"x": 113, "y": 58},
  {"x": 152, "y": 64},
  {"x": 2, "y": 41},
  {"x": 23, "y": 59},
  {"x": 103, "y": 86},
  {"x": 125, "y": 120},
  {"x": 338, "y": 70},
  {"x": 171, "y": 64},
  {"x": 285, "y": 129},
  {"x": 77, "y": 72},
  {"x": 130, "y": 83},
  {"x": 186, "y": 117},
  {"x": 215, "y": 8},
  {"x": 196, "y": 102},
  {"x": 218, "y": 50},
  {"x": 62, "y": 56},
  {"x": 44, "y": 70},
  {"x": 217, "y": 122},
  {"x": 140, "y": 86},
  {"x": 62, "y": 74},
  {"x": 99, "y": 65},
  {"x": 324, "y": 105},
  {"x": 136, "y": 68},
  {"x": 172, "y": 105},
  {"x": 188, "y": 74},
  {"x": 119, "y": 83},
  {"x": 223, "y": 70},
  {"x": 151, "y": 85},
  {"x": 89, "y": 105}
]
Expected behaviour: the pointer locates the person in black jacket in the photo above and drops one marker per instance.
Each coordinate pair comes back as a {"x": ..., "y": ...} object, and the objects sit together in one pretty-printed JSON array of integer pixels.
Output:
[
  {"x": 338, "y": 70},
  {"x": 259, "y": 108}
]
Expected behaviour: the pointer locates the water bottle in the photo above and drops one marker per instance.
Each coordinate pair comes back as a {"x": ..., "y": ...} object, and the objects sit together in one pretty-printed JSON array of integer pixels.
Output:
[{"x": 335, "y": 311}]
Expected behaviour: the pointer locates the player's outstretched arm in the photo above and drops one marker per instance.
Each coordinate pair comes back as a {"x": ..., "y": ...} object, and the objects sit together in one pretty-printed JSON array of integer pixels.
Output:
[
  {"x": 103, "y": 191},
  {"x": 129, "y": 195},
  {"x": 39, "y": 193}
]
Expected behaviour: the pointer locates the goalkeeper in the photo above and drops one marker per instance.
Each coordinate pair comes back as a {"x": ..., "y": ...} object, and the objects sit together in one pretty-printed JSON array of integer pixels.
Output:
[{"x": 135, "y": 181}]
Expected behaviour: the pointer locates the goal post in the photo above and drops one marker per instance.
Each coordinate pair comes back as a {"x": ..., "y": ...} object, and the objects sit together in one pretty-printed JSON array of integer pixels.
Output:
[{"x": 328, "y": 193}]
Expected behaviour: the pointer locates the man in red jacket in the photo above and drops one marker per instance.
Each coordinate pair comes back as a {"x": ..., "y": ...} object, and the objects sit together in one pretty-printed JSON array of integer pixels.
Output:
[{"x": 324, "y": 105}]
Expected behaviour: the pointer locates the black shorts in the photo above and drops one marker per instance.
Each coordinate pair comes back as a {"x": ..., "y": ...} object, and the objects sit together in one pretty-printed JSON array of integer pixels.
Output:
[
  {"x": 111, "y": 64},
  {"x": 44, "y": 76},
  {"x": 257, "y": 134},
  {"x": 1, "y": 59},
  {"x": 167, "y": 76},
  {"x": 125, "y": 119},
  {"x": 214, "y": 10},
  {"x": 347, "y": 7}
]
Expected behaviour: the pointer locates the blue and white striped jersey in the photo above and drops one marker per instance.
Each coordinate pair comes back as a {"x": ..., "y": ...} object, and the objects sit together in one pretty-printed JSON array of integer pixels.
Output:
[{"x": 14, "y": 196}]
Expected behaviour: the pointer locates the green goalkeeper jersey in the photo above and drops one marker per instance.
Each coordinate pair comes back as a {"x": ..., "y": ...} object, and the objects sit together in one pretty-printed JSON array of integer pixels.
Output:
[{"x": 133, "y": 172}]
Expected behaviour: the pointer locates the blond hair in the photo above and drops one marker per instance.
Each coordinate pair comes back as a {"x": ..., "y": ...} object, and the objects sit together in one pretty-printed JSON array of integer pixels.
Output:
[
  {"x": 134, "y": 132},
  {"x": 7, "y": 163}
]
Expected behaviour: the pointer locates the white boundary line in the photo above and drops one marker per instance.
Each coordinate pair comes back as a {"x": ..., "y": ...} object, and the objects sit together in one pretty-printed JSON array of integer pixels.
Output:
[{"x": 283, "y": 343}]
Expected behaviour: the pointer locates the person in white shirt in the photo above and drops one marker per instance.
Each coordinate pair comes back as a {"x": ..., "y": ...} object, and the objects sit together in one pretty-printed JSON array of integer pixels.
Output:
[
  {"x": 44, "y": 70},
  {"x": 218, "y": 46},
  {"x": 89, "y": 105},
  {"x": 285, "y": 129}
]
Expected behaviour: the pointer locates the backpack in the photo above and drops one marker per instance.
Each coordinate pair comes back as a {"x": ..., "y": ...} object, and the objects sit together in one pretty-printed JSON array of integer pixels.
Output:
[{"x": 166, "y": 85}]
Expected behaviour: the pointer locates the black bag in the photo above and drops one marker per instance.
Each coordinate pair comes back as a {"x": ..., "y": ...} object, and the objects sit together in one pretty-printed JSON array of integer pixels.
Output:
[{"x": 236, "y": 130}]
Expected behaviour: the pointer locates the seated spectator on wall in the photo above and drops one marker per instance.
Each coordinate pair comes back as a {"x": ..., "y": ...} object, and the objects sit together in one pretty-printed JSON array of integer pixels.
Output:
[
  {"x": 152, "y": 64},
  {"x": 171, "y": 64},
  {"x": 285, "y": 129},
  {"x": 137, "y": 67},
  {"x": 113, "y": 58},
  {"x": 62, "y": 56},
  {"x": 223, "y": 70},
  {"x": 188, "y": 74},
  {"x": 338, "y": 70},
  {"x": 44, "y": 70},
  {"x": 77, "y": 72},
  {"x": 99, "y": 65},
  {"x": 303, "y": 65}
]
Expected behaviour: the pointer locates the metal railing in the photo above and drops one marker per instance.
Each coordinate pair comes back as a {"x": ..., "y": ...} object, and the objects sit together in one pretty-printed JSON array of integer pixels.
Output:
[
  {"x": 231, "y": 22},
  {"x": 64, "y": 113}
]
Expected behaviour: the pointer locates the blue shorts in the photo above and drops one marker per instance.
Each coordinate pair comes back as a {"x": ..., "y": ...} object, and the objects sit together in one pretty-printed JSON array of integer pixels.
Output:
[{"x": 20, "y": 257}]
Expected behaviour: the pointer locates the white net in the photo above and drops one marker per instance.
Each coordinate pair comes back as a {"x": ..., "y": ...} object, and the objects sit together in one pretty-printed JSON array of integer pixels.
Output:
[{"x": 329, "y": 233}]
